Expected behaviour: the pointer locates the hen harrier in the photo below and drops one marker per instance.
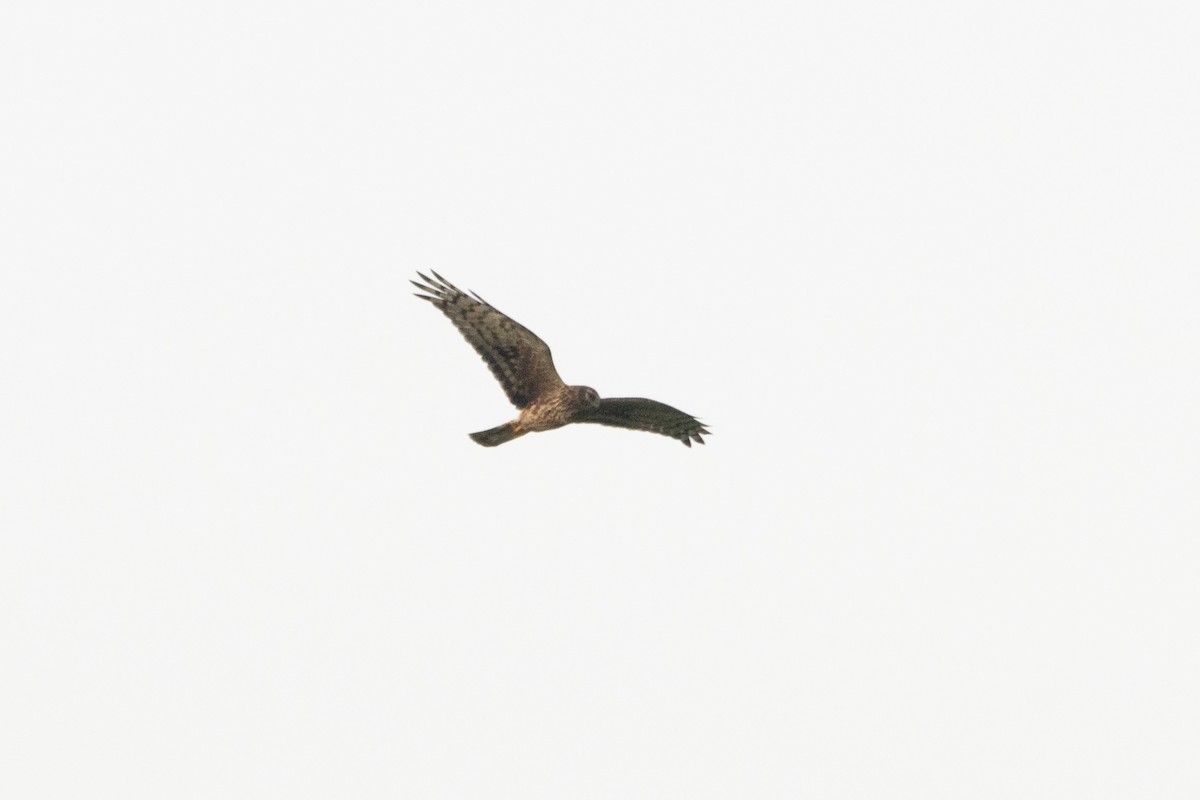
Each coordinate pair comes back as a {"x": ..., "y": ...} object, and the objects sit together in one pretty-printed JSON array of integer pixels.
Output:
[{"x": 521, "y": 362}]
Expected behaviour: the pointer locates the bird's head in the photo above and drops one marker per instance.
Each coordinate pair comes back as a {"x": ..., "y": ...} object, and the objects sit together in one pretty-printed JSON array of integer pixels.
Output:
[{"x": 588, "y": 396}]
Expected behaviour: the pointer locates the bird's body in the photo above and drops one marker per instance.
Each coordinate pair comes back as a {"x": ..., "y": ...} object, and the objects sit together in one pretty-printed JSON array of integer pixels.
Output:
[
  {"x": 544, "y": 414},
  {"x": 558, "y": 408},
  {"x": 523, "y": 365}
]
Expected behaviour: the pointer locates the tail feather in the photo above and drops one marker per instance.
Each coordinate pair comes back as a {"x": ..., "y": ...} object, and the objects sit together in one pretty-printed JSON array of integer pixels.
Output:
[{"x": 499, "y": 435}]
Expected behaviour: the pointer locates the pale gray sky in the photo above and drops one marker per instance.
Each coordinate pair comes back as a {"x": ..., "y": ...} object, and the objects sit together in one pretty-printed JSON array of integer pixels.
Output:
[{"x": 929, "y": 270}]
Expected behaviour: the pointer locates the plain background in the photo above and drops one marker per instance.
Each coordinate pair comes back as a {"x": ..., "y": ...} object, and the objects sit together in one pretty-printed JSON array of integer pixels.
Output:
[{"x": 928, "y": 269}]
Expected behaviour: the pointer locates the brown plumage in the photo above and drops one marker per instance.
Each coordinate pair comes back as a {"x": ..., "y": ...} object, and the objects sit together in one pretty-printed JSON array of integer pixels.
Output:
[{"x": 522, "y": 363}]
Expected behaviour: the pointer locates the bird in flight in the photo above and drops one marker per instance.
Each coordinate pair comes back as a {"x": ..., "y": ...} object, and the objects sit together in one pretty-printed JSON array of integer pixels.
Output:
[{"x": 521, "y": 362}]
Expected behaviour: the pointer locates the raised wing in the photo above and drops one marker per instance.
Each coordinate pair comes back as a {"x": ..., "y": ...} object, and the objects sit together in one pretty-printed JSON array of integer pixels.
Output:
[
  {"x": 641, "y": 414},
  {"x": 515, "y": 355}
]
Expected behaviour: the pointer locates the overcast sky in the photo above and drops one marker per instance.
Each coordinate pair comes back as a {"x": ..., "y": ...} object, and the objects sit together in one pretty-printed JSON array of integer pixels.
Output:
[{"x": 929, "y": 271}]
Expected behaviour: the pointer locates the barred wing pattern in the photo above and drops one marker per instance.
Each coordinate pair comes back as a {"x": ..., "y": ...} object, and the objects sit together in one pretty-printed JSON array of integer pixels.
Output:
[
  {"x": 641, "y": 414},
  {"x": 515, "y": 355}
]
